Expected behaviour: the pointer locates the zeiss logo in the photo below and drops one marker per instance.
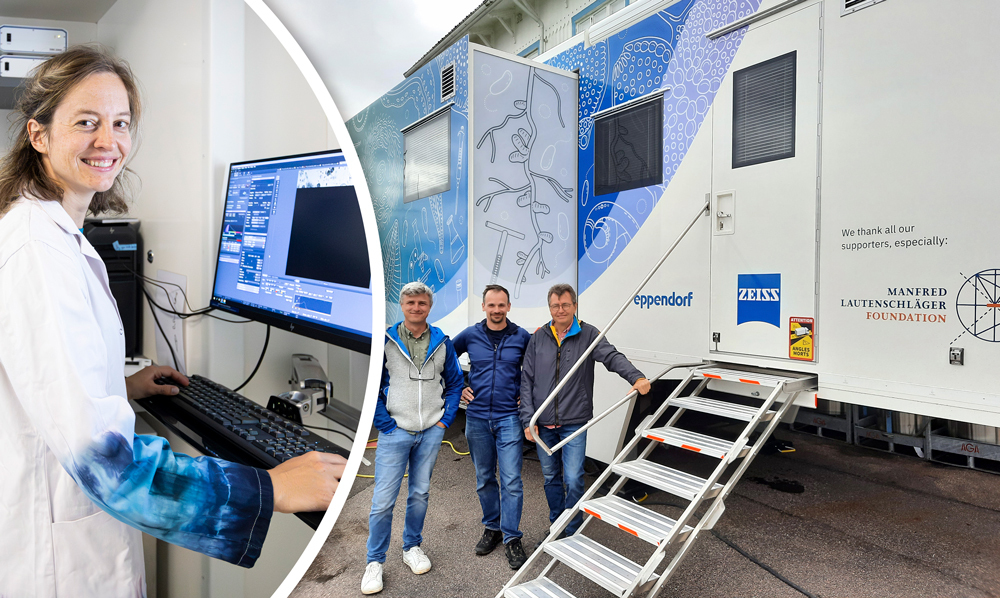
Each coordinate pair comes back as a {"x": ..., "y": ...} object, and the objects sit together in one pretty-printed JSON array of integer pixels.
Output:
[
  {"x": 125, "y": 246},
  {"x": 759, "y": 299}
]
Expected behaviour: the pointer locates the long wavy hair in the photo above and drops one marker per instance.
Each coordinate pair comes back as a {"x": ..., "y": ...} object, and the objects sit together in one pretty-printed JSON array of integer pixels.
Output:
[{"x": 21, "y": 169}]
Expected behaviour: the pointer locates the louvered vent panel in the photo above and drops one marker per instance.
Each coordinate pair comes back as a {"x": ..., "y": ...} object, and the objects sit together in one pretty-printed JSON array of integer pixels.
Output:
[
  {"x": 448, "y": 81},
  {"x": 427, "y": 158},
  {"x": 764, "y": 112},
  {"x": 853, "y": 3}
]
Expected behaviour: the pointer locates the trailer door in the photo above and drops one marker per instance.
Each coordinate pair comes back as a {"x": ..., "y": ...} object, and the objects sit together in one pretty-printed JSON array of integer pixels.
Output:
[{"x": 765, "y": 190}]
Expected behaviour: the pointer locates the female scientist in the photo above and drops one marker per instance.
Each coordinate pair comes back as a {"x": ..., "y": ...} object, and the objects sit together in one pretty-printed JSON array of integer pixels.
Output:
[{"x": 77, "y": 484}]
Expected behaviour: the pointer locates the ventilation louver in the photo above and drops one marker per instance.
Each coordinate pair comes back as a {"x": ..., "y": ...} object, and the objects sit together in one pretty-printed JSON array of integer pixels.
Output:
[{"x": 448, "y": 81}]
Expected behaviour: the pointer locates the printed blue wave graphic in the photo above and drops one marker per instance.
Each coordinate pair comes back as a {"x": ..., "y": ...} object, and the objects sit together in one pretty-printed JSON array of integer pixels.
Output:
[
  {"x": 426, "y": 239},
  {"x": 668, "y": 49}
]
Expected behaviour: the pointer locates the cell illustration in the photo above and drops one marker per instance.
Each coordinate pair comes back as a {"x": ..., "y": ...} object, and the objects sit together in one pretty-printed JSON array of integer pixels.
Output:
[{"x": 515, "y": 151}]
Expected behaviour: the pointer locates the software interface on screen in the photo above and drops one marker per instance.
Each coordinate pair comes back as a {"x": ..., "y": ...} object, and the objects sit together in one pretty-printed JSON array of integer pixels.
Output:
[{"x": 293, "y": 244}]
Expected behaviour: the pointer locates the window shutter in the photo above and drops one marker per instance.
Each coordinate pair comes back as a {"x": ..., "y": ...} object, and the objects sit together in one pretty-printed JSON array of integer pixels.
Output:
[
  {"x": 427, "y": 157},
  {"x": 628, "y": 148},
  {"x": 764, "y": 112}
]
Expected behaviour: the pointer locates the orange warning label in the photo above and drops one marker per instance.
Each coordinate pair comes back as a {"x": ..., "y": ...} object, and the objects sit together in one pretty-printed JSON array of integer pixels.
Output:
[{"x": 800, "y": 338}]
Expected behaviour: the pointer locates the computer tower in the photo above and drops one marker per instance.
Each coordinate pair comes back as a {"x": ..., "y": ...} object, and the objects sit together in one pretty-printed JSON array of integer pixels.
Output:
[{"x": 118, "y": 242}]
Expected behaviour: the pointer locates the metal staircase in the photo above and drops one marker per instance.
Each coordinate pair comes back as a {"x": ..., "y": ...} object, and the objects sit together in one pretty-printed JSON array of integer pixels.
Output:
[{"x": 706, "y": 496}]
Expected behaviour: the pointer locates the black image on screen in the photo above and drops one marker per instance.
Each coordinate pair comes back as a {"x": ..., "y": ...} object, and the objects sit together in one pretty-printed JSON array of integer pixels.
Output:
[{"x": 328, "y": 238}]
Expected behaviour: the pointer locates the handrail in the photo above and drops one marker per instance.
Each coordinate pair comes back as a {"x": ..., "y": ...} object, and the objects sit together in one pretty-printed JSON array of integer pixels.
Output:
[
  {"x": 534, "y": 419},
  {"x": 621, "y": 402}
]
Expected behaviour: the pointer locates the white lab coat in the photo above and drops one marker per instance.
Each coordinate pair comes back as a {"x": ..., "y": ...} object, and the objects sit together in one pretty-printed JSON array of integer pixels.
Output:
[
  {"x": 70, "y": 379},
  {"x": 73, "y": 471}
]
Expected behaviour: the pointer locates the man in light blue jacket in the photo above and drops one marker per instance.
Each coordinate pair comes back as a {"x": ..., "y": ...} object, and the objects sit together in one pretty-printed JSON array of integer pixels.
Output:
[{"x": 418, "y": 398}]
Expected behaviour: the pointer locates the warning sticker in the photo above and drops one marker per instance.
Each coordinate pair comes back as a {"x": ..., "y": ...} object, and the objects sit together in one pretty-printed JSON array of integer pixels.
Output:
[{"x": 800, "y": 338}]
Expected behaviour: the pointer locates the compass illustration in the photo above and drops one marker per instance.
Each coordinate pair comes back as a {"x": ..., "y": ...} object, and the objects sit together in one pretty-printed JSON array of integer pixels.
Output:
[{"x": 978, "y": 305}]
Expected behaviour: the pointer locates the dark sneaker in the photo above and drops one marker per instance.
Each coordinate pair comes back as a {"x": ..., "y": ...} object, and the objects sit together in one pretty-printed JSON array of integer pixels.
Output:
[
  {"x": 490, "y": 540},
  {"x": 515, "y": 553}
]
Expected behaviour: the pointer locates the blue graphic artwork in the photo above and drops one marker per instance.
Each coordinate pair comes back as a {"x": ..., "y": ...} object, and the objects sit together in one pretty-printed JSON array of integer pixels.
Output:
[
  {"x": 425, "y": 239},
  {"x": 666, "y": 50},
  {"x": 759, "y": 299}
]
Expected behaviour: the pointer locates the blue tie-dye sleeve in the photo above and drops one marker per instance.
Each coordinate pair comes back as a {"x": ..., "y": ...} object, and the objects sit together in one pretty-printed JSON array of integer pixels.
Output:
[{"x": 208, "y": 505}]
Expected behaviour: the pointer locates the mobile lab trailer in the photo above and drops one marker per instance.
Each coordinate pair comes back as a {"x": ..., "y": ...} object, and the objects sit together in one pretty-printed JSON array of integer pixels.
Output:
[{"x": 845, "y": 149}]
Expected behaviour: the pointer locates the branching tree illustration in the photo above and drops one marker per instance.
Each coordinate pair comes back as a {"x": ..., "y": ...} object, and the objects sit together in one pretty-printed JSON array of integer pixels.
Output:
[{"x": 524, "y": 140}]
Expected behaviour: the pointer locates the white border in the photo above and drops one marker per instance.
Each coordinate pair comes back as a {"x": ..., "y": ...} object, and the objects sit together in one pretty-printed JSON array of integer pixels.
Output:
[{"x": 378, "y": 291}]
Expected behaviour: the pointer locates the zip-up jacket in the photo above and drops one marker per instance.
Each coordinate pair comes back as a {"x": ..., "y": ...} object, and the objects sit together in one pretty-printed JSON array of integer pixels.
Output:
[
  {"x": 417, "y": 396},
  {"x": 546, "y": 361},
  {"x": 495, "y": 372}
]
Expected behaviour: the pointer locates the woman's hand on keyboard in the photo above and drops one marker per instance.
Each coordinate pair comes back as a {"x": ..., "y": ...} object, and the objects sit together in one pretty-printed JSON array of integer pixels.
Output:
[
  {"x": 306, "y": 483},
  {"x": 154, "y": 380}
]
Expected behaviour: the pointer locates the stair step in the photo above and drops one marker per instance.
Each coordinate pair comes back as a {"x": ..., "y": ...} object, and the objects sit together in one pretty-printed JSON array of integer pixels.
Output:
[
  {"x": 792, "y": 382},
  {"x": 596, "y": 562},
  {"x": 693, "y": 441},
  {"x": 637, "y": 520},
  {"x": 661, "y": 477},
  {"x": 721, "y": 408},
  {"x": 542, "y": 587}
]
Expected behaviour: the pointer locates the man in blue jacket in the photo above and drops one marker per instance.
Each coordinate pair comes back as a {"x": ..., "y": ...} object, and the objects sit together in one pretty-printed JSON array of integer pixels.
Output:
[
  {"x": 418, "y": 398},
  {"x": 550, "y": 354},
  {"x": 496, "y": 349}
]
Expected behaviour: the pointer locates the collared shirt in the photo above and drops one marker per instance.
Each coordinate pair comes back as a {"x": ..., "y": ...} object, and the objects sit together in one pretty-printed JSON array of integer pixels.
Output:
[
  {"x": 561, "y": 335},
  {"x": 416, "y": 346}
]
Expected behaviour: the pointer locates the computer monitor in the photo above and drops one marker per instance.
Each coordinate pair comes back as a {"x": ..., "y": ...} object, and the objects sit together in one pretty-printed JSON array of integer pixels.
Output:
[{"x": 292, "y": 249}]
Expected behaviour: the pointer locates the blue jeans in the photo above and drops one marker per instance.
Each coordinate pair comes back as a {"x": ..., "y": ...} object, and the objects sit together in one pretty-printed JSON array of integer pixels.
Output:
[
  {"x": 497, "y": 443},
  {"x": 564, "y": 468},
  {"x": 395, "y": 451}
]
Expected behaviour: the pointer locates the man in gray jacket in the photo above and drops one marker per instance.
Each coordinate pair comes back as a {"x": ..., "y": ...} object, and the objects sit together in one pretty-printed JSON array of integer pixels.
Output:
[
  {"x": 418, "y": 398},
  {"x": 551, "y": 352}
]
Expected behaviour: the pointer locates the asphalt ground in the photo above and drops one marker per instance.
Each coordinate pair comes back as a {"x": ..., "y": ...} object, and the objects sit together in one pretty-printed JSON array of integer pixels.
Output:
[{"x": 831, "y": 519}]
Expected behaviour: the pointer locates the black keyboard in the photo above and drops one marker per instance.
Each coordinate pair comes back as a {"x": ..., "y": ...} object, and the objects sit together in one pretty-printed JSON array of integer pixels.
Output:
[{"x": 253, "y": 428}]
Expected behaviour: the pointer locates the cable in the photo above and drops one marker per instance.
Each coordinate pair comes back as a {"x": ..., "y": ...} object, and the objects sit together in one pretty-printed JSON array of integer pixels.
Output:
[
  {"x": 344, "y": 434},
  {"x": 453, "y": 449},
  {"x": 161, "y": 283},
  {"x": 260, "y": 360},
  {"x": 205, "y": 311},
  {"x": 448, "y": 442},
  {"x": 157, "y": 320},
  {"x": 779, "y": 576}
]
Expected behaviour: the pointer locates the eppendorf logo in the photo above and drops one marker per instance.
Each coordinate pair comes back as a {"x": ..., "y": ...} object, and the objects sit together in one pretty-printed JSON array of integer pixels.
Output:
[
  {"x": 672, "y": 300},
  {"x": 758, "y": 299}
]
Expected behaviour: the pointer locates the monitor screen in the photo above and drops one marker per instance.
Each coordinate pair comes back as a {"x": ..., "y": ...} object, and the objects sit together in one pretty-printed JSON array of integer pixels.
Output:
[{"x": 292, "y": 250}]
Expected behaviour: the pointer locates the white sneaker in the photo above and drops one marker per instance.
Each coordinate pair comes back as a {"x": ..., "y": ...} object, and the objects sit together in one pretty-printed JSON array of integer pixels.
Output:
[
  {"x": 416, "y": 560},
  {"x": 371, "y": 583}
]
